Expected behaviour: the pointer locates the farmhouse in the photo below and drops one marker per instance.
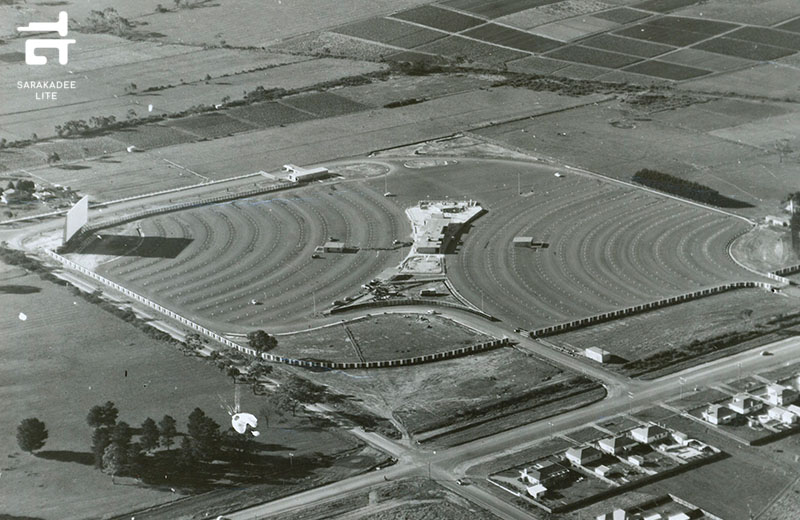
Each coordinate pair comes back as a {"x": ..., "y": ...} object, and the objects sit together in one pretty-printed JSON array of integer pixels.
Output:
[
  {"x": 597, "y": 354},
  {"x": 780, "y": 395},
  {"x": 583, "y": 455},
  {"x": 650, "y": 434},
  {"x": 544, "y": 472},
  {"x": 718, "y": 414},
  {"x": 616, "y": 445},
  {"x": 298, "y": 174},
  {"x": 744, "y": 404},
  {"x": 777, "y": 221}
]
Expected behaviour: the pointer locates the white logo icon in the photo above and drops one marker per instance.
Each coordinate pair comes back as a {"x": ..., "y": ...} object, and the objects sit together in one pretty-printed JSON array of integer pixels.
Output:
[{"x": 31, "y": 58}]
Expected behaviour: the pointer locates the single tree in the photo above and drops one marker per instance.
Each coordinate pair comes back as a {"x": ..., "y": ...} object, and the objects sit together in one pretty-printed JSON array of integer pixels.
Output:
[
  {"x": 193, "y": 341},
  {"x": 167, "y": 431},
  {"x": 187, "y": 459},
  {"x": 31, "y": 434},
  {"x": 136, "y": 459},
  {"x": 233, "y": 373},
  {"x": 114, "y": 459},
  {"x": 100, "y": 441},
  {"x": 150, "y": 435},
  {"x": 53, "y": 157},
  {"x": 105, "y": 415},
  {"x": 204, "y": 435},
  {"x": 784, "y": 148},
  {"x": 261, "y": 341},
  {"x": 121, "y": 435}
]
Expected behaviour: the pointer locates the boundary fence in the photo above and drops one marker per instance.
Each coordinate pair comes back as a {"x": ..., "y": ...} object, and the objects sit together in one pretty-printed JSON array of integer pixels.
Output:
[
  {"x": 628, "y": 311},
  {"x": 181, "y": 206},
  {"x": 409, "y": 301},
  {"x": 479, "y": 347}
]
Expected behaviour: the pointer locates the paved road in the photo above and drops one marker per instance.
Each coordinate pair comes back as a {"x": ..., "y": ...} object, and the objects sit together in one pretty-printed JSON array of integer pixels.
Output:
[{"x": 452, "y": 463}]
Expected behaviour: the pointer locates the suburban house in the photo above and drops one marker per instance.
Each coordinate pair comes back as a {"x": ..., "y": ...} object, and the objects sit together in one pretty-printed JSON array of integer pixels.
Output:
[
  {"x": 616, "y": 445},
  {"x": 783, "y": 415},
  {"x": 780, "y": 395},
  {"x": 583, "y": 455},
  {"x": 544, "y": 472},
  {"x": 744, "y": 404},
  {"x": 718, "y": 414},
  {"x": 650, "y": 434}
]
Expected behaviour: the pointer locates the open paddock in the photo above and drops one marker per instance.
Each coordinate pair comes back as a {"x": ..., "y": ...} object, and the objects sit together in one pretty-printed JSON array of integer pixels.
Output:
[
  {"x": 324, "y": 104},
  {"x": 744, "y": 49},
  {"x": 260, "y": 250},
  {"x": 502, "y": 35},
  {"x": 495, "y": 8},
  {"x": 589, "y": 56},
  {"x": 49, "y": 373},
  {"x": 379, "y": 338},
  {"x": 662, "y": 69},
  {"x": 492, "y": 387},
  {"x": 553, "y": 12},
  {"x": 643, "y": 335},
  {"x": 211, "y": 125}
]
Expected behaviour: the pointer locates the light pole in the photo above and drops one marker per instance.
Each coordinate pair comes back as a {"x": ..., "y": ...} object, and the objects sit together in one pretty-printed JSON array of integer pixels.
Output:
[{"x": 682, "y": 381}]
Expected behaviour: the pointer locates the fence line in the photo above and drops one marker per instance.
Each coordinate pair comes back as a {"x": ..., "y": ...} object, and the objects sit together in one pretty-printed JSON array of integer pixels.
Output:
[
  {"x": 479, "y": 347},
  {"x": 787, "y": 270},
  {"x": 620, "y": 313},
  {"x": 394, "y": 302},
  {"x": 182, "y": 205}
]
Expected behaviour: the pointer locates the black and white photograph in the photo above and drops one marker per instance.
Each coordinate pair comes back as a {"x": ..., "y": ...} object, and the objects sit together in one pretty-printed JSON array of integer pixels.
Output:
[{"x": 400, "y": 260}]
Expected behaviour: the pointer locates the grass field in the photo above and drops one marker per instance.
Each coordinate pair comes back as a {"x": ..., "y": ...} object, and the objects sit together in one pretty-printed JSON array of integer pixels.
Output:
[
  {"x": 50, "y": 373},
  {"x": 379, "y": 338},
  {"x": 450, "y": 393},
  {"x": 674, "y": 328},
  {"x": 412, "y": 499}
]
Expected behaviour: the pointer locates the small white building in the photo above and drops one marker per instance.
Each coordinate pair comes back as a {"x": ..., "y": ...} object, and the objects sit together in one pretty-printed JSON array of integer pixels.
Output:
[
  {"x": 536, "y": 491},
  {"x": 779, "y": 395},
  {"x": 777, "y": 221},
  {"x": 583, "y": 455},
  {"x": 718, "y": 414},
  {"x": 597, "y": 354},
  {"x": 744, "y": 404},
  {"x": 298, "y": 174},
  {"x": 783, "y": 415},
  {"x": 523, "y": 241},
  {"x": 649, "y": 434}
]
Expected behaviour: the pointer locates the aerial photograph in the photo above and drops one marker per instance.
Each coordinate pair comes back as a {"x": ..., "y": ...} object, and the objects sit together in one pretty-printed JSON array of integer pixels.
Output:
[{"x": 400, "y": 260}]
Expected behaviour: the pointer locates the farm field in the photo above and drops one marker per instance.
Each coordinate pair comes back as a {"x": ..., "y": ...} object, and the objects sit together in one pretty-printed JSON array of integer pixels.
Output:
[
  {"x": 262, "y": 249},
  {"x": 49, "y": 373},
  {"x": 699, "y": 156},
  {"x": 497, "y": 386},
  {"x": 438, "y": 18},
  {"x": 379, "y": 338},
  {"x": 108, "y": 96},
  {"x": 644, "y": 335},
  {"x": 553, "y": 12}
]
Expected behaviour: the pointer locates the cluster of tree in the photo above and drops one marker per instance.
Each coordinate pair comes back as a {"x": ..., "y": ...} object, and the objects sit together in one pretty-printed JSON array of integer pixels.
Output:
[
  {"x": 77, "y": 127},
  {"x": 675, "y": 185},
  {"x": 107, "y": 21},
  {"x": 262, "y": 94},
  {"x": 261, "y": 341},
  {"x": 21, "y": 185}
]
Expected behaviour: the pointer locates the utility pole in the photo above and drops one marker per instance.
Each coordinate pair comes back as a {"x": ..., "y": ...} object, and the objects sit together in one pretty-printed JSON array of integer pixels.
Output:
[{"x": 519, "y": 184}]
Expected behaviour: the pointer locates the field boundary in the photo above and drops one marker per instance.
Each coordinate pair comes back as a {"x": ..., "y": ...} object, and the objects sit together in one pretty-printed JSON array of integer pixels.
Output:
[
  {"x": 428, "y": 358},
  {"x": 636, "y": 309}
]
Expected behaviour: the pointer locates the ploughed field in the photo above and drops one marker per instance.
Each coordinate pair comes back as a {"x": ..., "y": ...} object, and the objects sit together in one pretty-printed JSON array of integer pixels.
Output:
[{"x": 212, "y": 262}]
